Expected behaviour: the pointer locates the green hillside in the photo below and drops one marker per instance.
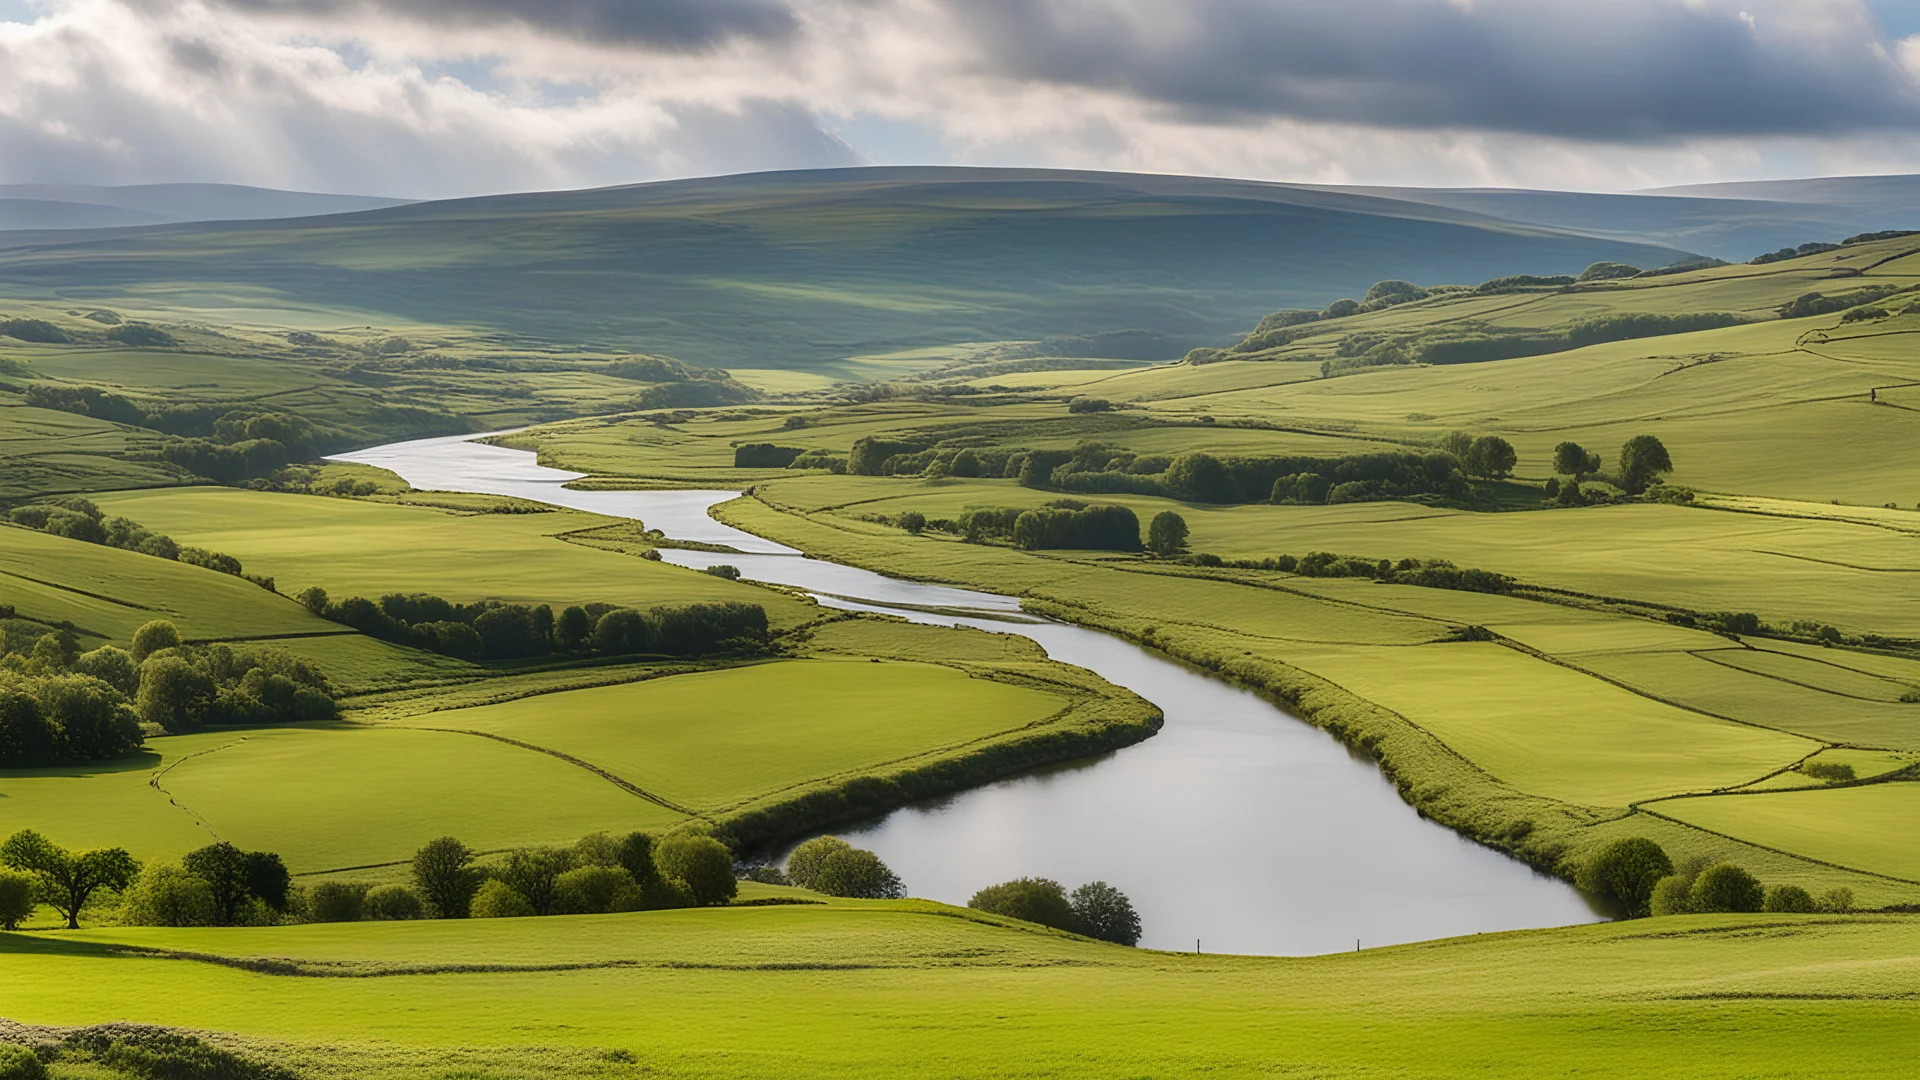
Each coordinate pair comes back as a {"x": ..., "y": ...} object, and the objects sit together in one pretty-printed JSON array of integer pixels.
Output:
[{"x": 804, "y": 270}]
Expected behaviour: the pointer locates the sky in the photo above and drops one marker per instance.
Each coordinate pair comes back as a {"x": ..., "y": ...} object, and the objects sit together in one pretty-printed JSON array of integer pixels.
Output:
[{"x": 446, "y": 98}]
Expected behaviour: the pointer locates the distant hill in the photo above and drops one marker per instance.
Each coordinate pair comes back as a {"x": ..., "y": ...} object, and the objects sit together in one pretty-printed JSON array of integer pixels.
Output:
[
  {"x": 1734, "y": 222},
  {"x": 84, "y": 206},
  {"x": 803, "y": 269}
]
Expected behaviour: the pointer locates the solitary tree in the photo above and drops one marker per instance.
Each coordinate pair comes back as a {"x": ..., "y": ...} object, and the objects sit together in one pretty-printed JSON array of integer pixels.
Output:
[
  {"x": 443, "y": 871},
  {"x": 703, "y": 863},
  {"x": 1625, "y": 872},
  {"x": 224, "y": 868},
  {"x": 68, "y": 879},
  {"x": 1167, "y": 534},
  {"x": 1491, "y": 457},
  {"x": 1105, "y": 912},
  {"x": 1642, "y": 460},
  {"x": 858, "y": 873},
  {"x": 1572, "y": 459}
]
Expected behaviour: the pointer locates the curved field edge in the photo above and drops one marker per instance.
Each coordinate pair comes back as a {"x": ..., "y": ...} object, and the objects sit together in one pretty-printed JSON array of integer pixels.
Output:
[
  {"x": 1437, "y": 781},
  {"x": 915, "y": 989}
]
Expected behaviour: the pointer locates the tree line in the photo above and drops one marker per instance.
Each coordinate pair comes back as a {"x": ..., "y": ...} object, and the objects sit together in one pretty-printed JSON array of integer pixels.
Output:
[
  {"x": 78, "y": 518},
  {"x": 58, "y": 704},
  {"x": 1095, "y": 910},
  {"x": 493, "y": 630},
  {"x": 1426, "y": 573},
  {"x": 1638, "y": 878}
]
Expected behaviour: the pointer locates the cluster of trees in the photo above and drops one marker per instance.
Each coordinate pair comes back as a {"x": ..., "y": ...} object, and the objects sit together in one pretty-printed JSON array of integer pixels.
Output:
[
  {"x": 1427, "y": 573},
  {"x": 765, "y": 456},
  {"x": 35, "y": 331},
  {"x": 1063, "y": 524},
  {"x": 1607, "y": 271},
  {"x": 58, "y": 704},
  {"x": 1085, "y": 404},
  {"x": 828, "y": 864},
  {"x": 1474, "y": 342},
  {"x": 78, "y": 518},
  {"x": 1785, "y": 253},
  {"x": 598, "y": 875},
  {"x": 1643, "y": 462},
  {"x": 217, "y": 885},
  {"x": 1094, "y": 468},
  {"x": 180, "y": 687},
  {"x": 1809, "y": 304},
  {"x": 1096, "y": 909},
  {"x": 1637, "y": 877},
  {"x": 226, "y": 445},
  {"x": 492, "y": 630},
  {"x": 1273, "y": 330}
]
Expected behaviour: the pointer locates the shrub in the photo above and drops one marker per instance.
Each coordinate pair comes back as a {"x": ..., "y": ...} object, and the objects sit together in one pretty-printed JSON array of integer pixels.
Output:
[
  {"x": 1088, "y": 405},
  {"x": 443, "y": 872},
  {"x": 1104, "y": 912},
  {"x": 803, "y": 866},
  {"x": 37, "y": 331},
  {"x": 142, "y": 336},
  {"x": 913, "y": 521},
  {"x": 1789, "y": 899},
  {"x": 166, "y": 895},
  {"x": 1836, "y": 901},
  {"x": 595, "y": 890},
  {"x": 1036, "y": 900},
  {"x": 394, "y": 904},
  {"x": 1672, "y": 895},
  {"x": 765, "y": 456},
  {"x": 724, "y": 570},
  {"x": 702, "y": 863},
  {"x": 858, "y": 873},
  {"x": 1625, "y": 873},
  {"x": 1832, "y": 772},
  {"x": 497, "y": 900},
  {"x": 20, "y": 1063},
  {"x": 18, "y": 897},
  {"x": 1607, "y": 271},
  {"x": 1725, "y": 887},
  {"x": 336, "y": 901}
]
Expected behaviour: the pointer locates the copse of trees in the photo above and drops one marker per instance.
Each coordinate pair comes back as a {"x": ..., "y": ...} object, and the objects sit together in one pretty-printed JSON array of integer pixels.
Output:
[
  {"x": 491, "y": 630},
  {"x": 217, "y": 885},
  {"x": 1070, "y": 525},
  {"x": 598, "y": 875},
  {"x": 765, "y": 456},
  {"x": 182, "y": 687},
  {"x": 830, "y": 865},
  {"x": 1572, "y": 459},
  {"x": 1704, "y": 888},
  {"x": 1096, "y": 910}
]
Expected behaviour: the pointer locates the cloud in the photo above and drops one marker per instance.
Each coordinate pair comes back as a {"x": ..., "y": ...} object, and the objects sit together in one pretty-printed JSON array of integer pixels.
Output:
[{"x": 442, "y": 97}]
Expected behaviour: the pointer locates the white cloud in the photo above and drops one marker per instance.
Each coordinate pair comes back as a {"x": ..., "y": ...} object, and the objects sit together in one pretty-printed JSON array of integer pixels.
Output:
[{"x": 361, "y": 95}]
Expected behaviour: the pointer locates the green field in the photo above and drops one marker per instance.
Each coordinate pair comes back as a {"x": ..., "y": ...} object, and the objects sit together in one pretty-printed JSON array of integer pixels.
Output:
[{"x": 879, "y": 989}]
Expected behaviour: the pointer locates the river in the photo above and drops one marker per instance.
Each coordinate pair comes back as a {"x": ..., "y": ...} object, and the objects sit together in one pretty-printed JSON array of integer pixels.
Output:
[{"x": 1239, "y": 828}]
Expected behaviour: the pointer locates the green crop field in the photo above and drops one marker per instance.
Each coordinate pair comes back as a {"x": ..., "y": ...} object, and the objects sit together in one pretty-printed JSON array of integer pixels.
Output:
[{"x": 898, "y": 989}]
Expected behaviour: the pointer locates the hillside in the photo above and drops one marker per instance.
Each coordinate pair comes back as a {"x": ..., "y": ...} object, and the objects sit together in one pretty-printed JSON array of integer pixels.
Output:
[
  {"x": 89, "y": 206},
  {"x": 804, "y": 270}
]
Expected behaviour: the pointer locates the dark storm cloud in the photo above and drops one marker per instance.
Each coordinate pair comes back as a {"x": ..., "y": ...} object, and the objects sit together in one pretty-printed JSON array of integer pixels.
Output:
[
  {"x": 1621, "y": 70},
  {"x": 674, "y": 24}
]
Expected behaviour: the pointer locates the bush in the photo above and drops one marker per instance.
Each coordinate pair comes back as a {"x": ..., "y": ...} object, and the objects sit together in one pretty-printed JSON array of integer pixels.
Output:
[
  {"x": 1093, "y": 528},
  {"x": 1836, "y": 901},
  {"x": 724, "y": 570},
  {"x": 1624, "y": 873},
  {"x": 166, "y": 895},
  {"x": 393, "y": 902},
  {"x": 1167, "y": 533},
  {"x": 1088, "y": 405},
  {"x": 497, "y": 900},
  {"x": 1607, "y": 271},
  {"x": 20, "y": 1063},
  {"x": 336, "y": 901},
  {"x": 765, "y": 456},
  {"x": 1725, "y": 887},
  {"x": 858, "y": 873},
  {"x": 1672, "y": 895},
  {"x": 1104, "y": 912},
  {"x": 595, "y": 890},
  {"x": 803, "y": 865},
  {"x": 913, "y": 521},
  {"x": 1035, "y": 900},
  {"x": 1789, "y": 899},
  {"x": 36, "y": 331},
  {"x": 702, "y": 863},
  {"x": 1832, "y": 772},
  {"x": 142, "y": 336},
  {"x": 19, "y": 895}
]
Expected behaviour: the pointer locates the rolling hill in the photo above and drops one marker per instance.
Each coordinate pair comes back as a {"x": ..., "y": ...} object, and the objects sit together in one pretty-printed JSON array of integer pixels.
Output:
[
  {"x": 803, "y": 270},
  {"x": 88, "y": 206}
]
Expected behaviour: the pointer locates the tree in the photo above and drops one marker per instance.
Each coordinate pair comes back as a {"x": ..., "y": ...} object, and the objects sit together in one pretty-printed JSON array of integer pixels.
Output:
[
  {"x": 393, "y": 902},
  {"x": 1203, "y": 477},
  {"x": 165, "y": 895},
  {"x": 18, "y": 897},
  {"x": 224, "y": 868},
  {"x": 313, "y": 598},
  {"x": 68, "y": 879},
  {"x": 111, "y": 665},
  {"x": 336, "y": 901},
  {"x": 173, "y": 693},
  {"x": 622, "y": 632},
  {"x": 154, "y": 636},
  {"x": 1491, "y": 457},
  {"x": 1572, "y": 459},
  {"x": 26, "y": 737},
  {"x": 703, "y": 863},
  {"x": 1457, "y": 443},
  {"x": 267, "y": 879},
  {"x": 1167, "y": 533},
  {"x": 1036, "y": 900},
  {"x": 1726, "y": 887},
  {"x": 1790, "y": 899},
  {"x": 1642, "y": 461},
  {"x": 1104, "y": 912},
  {"x": 857, "y": 873},
  {"x": 913, "y": 521},
  {"x": 594, "y": 890},
  {"x": 497, "y": 900},
  {"x": 532, "y": 872},
  {"x": 573, "y": 628},
  {"x": 1625, "y": 873},
  {"x": 443, "y": 872},
  {"x": 803, "y": 866}
]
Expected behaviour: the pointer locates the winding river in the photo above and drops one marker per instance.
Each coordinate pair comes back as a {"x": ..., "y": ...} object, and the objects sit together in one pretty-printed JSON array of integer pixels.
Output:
[{"x": 1239, "y": 828}]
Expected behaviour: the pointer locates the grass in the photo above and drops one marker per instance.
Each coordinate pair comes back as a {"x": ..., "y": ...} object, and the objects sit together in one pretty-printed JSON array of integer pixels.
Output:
[
  {"x": 906, "y": 989},
  {"x": 1869, "y": 827}
]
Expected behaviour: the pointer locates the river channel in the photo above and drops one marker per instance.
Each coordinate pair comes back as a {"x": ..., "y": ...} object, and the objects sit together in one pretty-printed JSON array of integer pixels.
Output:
[{"x": 1239, "y": 828}]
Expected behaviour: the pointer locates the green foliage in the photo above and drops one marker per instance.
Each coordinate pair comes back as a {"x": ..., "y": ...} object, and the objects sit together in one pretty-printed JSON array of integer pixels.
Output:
[
  {"x": 765, "y": 456},
  {"x": 68, "y": 879},
  {"x": 1167, "y": 533},
  {"x": 1036, "y": 900},
  {"x": 141, "y": 336},
  {"x": 20, "y": 1062},
  {"x": 1833, "y": 772},
  {"x": 870, "y": 455},
  {"x": 595, "y": 890},
  {"x": 497, "y": 900},
  {"x": 1202, "y": 476},
  {"x": 491, "y": 630},
  {"x": 1836, "y": 901},
  {"x": 1791, "y": 899},
  {"x": 804, "y": 863},
  {"x": 703, "y": 863},
  {"x": 224, "y": 868},
  {"x": 111, "y": 665},
  {"x": 1490, "y": 457},
  {"x": 37, "y": 331},
  {"x": 167, "y": 895},
  {"x": 153, "y": 637},
  {"x": 1725, "y": 887},
  {"x": 723, "y": 570},
  {"x": 1672, "y": 895},
  {"x": 1606, "y": 271},
  {"x": 336, "y": 901},
  {"x": 533, "y": 873},
  {"x": 1572, "y": 459},
  {"x": 1810, "y": 304},
  {"x": 187, "y": 687},
  {"x": 1088, "y": 405},
  {"x": 1625, "y": 873},
  {"x": 157, "y": 1054},
  {"x": 1093, "y": 528},
  {"x": 1643, "y": 459},
  {"x": 1104, "y": 912},
  {"x": 19, "y": 895},
  {"x": 393, "y": 903},
  {"x": 443, "y": 871}
]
